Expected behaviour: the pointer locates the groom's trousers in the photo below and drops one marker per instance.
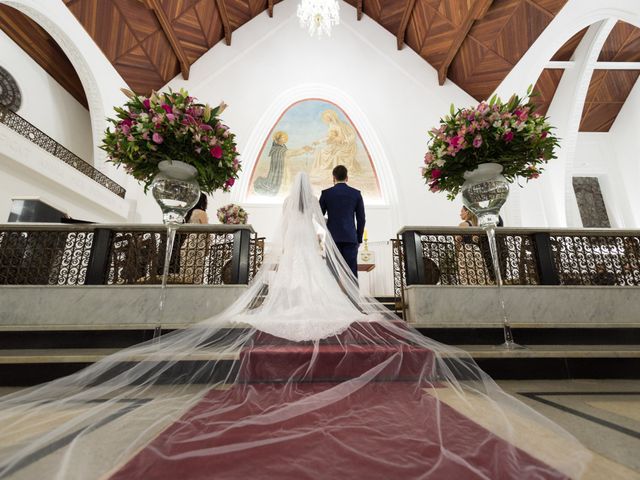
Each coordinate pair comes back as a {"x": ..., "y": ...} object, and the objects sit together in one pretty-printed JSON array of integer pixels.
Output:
[{"x": 349, "y": 252}]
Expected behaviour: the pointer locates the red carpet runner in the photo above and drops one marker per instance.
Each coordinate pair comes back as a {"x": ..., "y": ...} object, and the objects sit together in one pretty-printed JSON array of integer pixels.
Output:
[{"x": 384, "y": 430}]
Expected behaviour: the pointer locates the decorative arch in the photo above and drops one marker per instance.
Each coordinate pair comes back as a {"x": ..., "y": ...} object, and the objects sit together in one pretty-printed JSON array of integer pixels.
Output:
[
  {"x": 600, "y": 16},
  {"x": 312, "y": 135},
  {"x": 96, "y": 98},
  {"x": 262, "y": 134}
]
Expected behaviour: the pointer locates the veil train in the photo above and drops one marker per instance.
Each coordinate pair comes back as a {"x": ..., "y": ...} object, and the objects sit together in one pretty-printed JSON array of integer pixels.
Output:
[{"x": 302, "y": 377}]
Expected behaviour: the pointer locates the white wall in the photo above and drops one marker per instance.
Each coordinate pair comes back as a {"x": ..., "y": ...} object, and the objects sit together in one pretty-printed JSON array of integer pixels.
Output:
[
  {"x": 595, "y": 157},
  {"x": 625, "y": 143},
  {"x": 45, "y": 103},
  {"x": 392, "y": 97}
]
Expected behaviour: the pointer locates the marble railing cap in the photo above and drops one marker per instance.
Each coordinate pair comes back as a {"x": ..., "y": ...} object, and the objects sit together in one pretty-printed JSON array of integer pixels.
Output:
[
  {"x": 145, "y": 227},
  {"x": 435, "y": 230}
]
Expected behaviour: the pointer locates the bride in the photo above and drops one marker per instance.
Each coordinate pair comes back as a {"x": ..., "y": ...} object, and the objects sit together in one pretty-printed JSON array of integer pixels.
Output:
[{"x": 302, "y": 377}]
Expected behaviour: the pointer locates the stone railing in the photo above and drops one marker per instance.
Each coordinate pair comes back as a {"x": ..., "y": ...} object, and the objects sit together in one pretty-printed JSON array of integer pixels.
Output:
[
  {"x": 44, "y": 141},
  {"x": 104, "y": 254},
  {"x": 461, "y": 256}
]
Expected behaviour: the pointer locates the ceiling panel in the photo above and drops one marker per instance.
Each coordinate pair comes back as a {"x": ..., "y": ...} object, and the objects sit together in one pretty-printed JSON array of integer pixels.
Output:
[
  {"x": 607, "y": 94},
  {"x": 545, "y": 88},
  {"x": 622, "y": 45}
]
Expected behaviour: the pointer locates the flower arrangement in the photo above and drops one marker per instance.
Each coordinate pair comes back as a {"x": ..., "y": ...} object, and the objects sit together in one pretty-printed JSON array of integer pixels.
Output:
[
  {"x": 232, "y": 214},
  {"x": 172, "y": 126},
  {"x": 511, "y": 134}
]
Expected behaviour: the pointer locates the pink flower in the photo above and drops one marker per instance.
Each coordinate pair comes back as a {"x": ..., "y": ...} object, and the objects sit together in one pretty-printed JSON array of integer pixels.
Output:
[
  {"x": 455, "y": 141},
  {"x": 145, "y": 135},
  {"x": 146, "y": 103},
  {"x": 204, "y": 126},
  {"x": 477, "y": 141},
  {"x": 171, "y": 117},
  {"x": 216, "y": 151},
  {"x": 157, "y": 138},
  {"x": 166, "y": 108},
  {"x": 125, "y": 129},
  {"x": 434, "y": 187},
  {"x": 230, "y": 182},
  {"x": 436, "y": 173},
  {"x": 543, "y": 135},
  {"x": 508, "y": 136},
  {"x": 428, "y": 158}
]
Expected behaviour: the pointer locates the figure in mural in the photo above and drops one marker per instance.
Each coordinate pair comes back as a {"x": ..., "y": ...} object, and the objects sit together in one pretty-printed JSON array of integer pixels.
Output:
[
  {"x": 311, "y": 136},
  {"x": 279, "y": 154},
  {"x": 340, "y": 146}
]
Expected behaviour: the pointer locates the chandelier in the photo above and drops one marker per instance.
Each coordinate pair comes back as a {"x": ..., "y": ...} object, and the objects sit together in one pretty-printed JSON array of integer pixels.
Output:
[{"x": 319, "y": 16}]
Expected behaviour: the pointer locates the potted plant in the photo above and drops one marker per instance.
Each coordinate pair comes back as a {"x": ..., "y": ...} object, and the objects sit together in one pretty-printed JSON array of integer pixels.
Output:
[
  {"x": 493, "y": 142},
  {"x": 175, "y": 145}
]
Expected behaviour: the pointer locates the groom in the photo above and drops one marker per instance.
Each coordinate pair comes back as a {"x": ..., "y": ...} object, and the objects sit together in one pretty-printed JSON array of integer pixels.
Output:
[{"x": 344, "y": 204}]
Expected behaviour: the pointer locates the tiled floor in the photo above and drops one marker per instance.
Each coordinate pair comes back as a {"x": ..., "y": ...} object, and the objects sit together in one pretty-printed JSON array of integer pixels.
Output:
[{"x": 604, "y": 415}]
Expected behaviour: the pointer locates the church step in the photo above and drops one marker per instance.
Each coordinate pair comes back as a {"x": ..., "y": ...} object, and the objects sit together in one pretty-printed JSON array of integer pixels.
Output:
[{"x": 118, "y": 338}]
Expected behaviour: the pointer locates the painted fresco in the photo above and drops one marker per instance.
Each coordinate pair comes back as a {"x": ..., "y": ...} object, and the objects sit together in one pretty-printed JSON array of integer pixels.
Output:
[{"x": 313, "y": 136}]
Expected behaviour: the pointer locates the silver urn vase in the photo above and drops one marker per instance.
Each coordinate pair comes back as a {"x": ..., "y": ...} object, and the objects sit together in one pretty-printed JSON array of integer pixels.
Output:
[
  {"x": 176, "y": 190},
  {"x": 484, "y": 192}
]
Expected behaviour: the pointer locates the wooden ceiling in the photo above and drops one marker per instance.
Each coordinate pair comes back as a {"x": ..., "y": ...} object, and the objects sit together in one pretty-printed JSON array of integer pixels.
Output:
[
  {"x": 474, "y": 43},
  {"x": 608, "y": 89}
]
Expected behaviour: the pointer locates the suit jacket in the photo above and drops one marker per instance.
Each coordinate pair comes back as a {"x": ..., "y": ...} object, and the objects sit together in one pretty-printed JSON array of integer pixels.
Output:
[{"x": 346, "y": 213}]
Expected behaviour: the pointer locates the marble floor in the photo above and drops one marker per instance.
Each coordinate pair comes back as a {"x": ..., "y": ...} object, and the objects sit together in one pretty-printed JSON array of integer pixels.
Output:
[{"x": 604, "y": 415}]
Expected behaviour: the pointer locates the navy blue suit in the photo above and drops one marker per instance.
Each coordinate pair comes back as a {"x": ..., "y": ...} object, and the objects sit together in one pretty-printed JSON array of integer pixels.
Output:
[{"x": 346, "y": 220}]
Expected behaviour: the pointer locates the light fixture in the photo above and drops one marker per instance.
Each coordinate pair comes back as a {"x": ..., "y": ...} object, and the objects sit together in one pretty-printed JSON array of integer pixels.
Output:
[{"x": 319, "y": 16}]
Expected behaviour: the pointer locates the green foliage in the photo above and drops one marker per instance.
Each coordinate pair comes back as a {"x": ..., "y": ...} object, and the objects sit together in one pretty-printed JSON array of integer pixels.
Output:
[
  {"x": 172, "y": 126},
  {"x": 511, "y": 134}
]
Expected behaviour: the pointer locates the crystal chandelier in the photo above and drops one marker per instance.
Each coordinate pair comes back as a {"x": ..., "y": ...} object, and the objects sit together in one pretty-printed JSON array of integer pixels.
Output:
[{"x": 319, "y": 16}]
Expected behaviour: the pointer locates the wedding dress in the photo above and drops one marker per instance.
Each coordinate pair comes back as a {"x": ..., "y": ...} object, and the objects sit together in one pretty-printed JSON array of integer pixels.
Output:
[{"x": 302, "y": 377}]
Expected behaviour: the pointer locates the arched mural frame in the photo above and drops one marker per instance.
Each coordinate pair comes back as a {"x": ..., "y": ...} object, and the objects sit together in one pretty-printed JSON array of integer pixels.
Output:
[
  {"x": 351, "y": 110},
  {"x": 284, "y": 112}
]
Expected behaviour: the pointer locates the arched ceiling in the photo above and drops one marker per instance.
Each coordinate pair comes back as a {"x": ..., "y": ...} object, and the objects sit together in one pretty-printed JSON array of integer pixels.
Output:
[{"x": 474, "y": 43}]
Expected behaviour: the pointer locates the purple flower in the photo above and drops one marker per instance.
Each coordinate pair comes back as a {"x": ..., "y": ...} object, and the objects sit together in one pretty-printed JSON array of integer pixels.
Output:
[
  {"x": 157, "y": 138},
  {"x": 436, "y": 173},
  {"x": 166, "y": 108},
  {"x": 146, "y": 103}
]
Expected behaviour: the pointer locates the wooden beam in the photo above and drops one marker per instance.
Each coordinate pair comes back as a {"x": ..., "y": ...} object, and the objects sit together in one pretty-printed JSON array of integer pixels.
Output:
[
  {"x": 226, "y": 25},
  {"x": 270, "y": 8},
  {"x": 170, "y": 33},
  {"x": 359, "y": 10},
  {"x": 477, "y": 11},
  {"x": 406, "y": 16}
]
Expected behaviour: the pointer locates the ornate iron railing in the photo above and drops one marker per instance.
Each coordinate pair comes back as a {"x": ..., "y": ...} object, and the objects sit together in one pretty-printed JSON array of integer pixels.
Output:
[
  {"x": 18, "y": 124},
  {"x": 461, "y": 256},
  {"x": 37, "y": 254}
]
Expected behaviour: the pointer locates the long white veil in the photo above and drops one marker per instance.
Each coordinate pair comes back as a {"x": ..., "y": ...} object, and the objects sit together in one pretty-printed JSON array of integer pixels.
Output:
[{"x": 302, "y": 377}]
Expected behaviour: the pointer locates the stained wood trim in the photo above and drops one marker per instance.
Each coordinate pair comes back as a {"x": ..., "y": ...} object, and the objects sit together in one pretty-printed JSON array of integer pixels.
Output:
[
  {"x": 170, "y": 33},
  {"x": 270, "y": 8},
  {"x": 477, "y": 11},
  {"x": 406, "y": 16},
  {"x": 359, "y": 9},
  {"x": 226, "y": 25}
]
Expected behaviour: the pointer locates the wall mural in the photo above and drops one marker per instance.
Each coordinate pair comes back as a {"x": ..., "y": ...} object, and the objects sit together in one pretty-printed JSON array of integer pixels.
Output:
[{"x": 314, "y": 136}]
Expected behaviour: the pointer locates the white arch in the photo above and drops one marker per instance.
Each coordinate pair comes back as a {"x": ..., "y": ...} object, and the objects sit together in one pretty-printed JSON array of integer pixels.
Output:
[
  {"x": 345, "y": 102},
  {"x": 566, "y": 109},
  {"x": 89, "y": 63}
]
